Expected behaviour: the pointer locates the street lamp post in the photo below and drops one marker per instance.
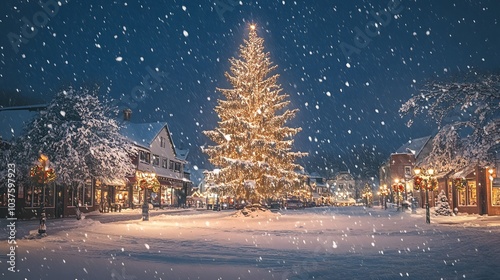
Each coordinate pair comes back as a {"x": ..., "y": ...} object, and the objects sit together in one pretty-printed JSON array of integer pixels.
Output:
[
  {"x": 424, "y": 179},
  {"x": 384, "y": 192},
  {"x": 145, "y": 206},
  {"x": 42, "y": 174},
  {"x": 43, "y": 228},
  {"x": 398, "y": 188},
  {"x": 148, "y": 180}
]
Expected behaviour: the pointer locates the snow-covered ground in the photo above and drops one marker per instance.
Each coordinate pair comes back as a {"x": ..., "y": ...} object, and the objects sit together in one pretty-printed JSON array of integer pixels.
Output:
[{"x": 316, "y": 243}]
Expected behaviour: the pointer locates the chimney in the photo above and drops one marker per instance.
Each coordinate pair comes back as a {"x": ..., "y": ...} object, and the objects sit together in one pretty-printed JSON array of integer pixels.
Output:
[{"x": 127, "y": 113}]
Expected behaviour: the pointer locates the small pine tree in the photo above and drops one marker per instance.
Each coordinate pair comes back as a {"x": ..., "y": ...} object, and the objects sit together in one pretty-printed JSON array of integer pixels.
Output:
[
  {"x": 253, "y": 143},
  {"x": 443, "y": 207}
]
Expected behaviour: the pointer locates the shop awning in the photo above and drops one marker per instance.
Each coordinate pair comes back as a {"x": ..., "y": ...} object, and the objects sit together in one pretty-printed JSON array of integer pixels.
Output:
[{"x": 463, "y": 173}]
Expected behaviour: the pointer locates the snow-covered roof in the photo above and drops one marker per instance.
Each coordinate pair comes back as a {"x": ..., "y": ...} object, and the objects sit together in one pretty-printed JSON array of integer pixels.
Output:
[
  {"x": 414, "y": 146},
  {"x": 464, "y": 172},
  {"x": 143, "y": 134}
]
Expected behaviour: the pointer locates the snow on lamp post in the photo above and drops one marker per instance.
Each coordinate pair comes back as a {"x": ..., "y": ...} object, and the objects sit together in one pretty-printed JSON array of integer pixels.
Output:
[
  {"x": 42, "y": 174},
  {"x": 423, "y": 179}
]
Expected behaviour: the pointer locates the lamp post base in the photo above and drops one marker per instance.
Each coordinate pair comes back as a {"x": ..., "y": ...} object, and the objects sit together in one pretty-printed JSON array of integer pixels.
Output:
[
  {"x": 42, "y": 229},
  {"x": 145, "y": 212},
  {"x": 427, "y": 210}
]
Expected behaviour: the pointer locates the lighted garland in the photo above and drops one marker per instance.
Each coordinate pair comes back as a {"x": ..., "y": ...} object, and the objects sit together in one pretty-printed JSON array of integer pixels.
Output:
[
  {"x": 460, "y": 183},
  {"x": 39, "y": 175},
  {"x": 419, "y": 183},
  {"x": 432, "y": 185},
  {"x": 398, "y": 187},
  {"x": 152, "y": 184}
]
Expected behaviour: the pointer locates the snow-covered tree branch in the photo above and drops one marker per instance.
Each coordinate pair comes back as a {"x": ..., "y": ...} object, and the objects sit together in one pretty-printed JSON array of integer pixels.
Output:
[
  {"x": 467, "y": 113},
  {"x": 79, "y": 137}
]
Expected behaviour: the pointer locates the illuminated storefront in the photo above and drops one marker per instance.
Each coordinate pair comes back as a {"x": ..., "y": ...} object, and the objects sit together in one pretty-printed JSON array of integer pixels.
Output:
[{"x": 493, "y": 194}]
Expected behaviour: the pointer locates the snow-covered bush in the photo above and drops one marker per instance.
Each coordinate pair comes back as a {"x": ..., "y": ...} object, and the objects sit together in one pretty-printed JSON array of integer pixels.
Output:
[{"x": 443, "y": 207}]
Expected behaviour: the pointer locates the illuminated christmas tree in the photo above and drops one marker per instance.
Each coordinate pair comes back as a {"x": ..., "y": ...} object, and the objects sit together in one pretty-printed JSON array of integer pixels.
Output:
[{"x": 253, "y": 143}]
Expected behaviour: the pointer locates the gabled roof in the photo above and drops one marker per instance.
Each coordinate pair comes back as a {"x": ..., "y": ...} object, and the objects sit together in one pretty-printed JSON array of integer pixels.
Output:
[
  {"x": 414, "y": 146},
  {"x": 182, "y": 154},
  {"x": 143, "y": 134}
]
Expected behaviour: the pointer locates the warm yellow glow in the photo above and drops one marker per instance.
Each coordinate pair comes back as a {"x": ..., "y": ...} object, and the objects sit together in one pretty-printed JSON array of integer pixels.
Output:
[
  {"x": 43, "y": 157},
  {"x": 145, "y": 174},
  {"x": 430, "y": 171},
  {"x": 416, "y": 170},
  {"x": 396, "y": 180},
  {"x": 491, "y": 171},
  {"x": 252, "y": 26}
]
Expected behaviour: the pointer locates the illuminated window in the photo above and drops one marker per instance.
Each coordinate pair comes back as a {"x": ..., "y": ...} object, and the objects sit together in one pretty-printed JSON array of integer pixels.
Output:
[
  {"x": 495, "y": 196},
  {"x": 80, "y": 194},
  {"x": 472, "y": 193},
  {"x": 461, "y": 197},
  {"x": 34, "y": 195}
]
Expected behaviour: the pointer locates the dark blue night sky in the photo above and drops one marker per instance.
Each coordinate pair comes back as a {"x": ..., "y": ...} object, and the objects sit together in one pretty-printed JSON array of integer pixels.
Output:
[{"x": 348, "y": 106}]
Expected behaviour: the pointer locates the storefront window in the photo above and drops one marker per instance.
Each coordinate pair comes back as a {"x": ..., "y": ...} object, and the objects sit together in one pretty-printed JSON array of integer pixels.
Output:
[
  {"x": 122, "y": 196},
  {"x": 97, "y": 196},
  {"x": 472, "y": 193},
  {"x": 87, "y": 194},
  {"x": 80, "y": 194},
  {"x": 137, "y": 195},
  {"x": 495, "y": 196},
  {"x": 34, "y": 196},
  {"x": 461, "y": 197}
]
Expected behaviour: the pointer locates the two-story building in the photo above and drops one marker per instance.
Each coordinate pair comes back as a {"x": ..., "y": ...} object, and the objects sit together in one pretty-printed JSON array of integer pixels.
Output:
[{"x": 157, "y": 155}]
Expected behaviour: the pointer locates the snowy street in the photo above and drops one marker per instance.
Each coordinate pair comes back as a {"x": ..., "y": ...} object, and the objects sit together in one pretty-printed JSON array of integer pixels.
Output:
[{"x": 314, "y": 243}]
